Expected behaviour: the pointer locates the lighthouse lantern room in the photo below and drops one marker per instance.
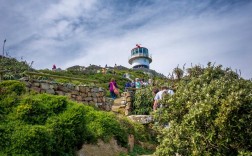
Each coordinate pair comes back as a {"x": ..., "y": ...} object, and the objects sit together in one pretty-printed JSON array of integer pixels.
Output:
[{"x": 140, "y": 57}]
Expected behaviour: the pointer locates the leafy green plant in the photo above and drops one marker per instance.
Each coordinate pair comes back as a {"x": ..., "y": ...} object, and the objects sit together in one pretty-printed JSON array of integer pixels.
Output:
[
  {"x": 143, "y": 101},
  {"x": 137, "y": 150},
  {"x": 210, "y": 114},
  {"x": 42, "y": 124}
]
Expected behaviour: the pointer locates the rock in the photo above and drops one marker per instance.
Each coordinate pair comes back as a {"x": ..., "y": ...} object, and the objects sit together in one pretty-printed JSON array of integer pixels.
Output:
[
  {"x": 142, "y": 119},
  {"x": 127, "y": 107},
  {"x": 127, "y": 112},
  {"x": 36, "y": 89},
  {"x": 99, "y": 100},
  {"x": 79, "y": 98},
  {"x": 70, "y": 86},
  {"x": 63, "y": 88},
  {"x": 123, "y": 102},
  {"x": 89, "y": 94},
  {"x": 74, "y": 92},
  {"x": 115, "y": 108},
  {"x": 24, "y": 79},
  {"x": 95, "y": 90},
  {"x": 101, "y": 89},
  {"x": 54, "y": 86},
  {"x": 83, "y": 95},
  {"x": 87, "y": 99},
  {"x": 110, "y": 148},
  {"x": 50, "y": 91},
  {"x": 95, "y": 100},
  {"x": 93, "y": 95},
  {"x": 129, "y": 99},
  {"x": 107, "y": 107},
  {"x": 36, "y": 84},
  {"x": 82, "y": 89},
  {"x": 45, "y": 86},
  {"x": 59, "y": 93}
]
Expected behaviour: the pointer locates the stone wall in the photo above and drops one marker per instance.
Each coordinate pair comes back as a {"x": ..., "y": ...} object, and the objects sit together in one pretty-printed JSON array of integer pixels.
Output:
[
  {"x": 127, "y": 101},
  {"x": 91, "y": 95}
]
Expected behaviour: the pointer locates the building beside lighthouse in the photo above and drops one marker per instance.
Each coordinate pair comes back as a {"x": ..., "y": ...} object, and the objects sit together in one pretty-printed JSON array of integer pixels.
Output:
[{"x": 140, "y": 57}]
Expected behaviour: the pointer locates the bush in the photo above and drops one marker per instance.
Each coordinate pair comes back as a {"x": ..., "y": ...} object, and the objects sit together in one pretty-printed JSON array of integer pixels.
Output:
[
  {"x": 210, "y": 114},
  {"x": 68, "y": 129},
  {"x": 9, "y": 96},
  {"x": 30, "y": 140},
  {"x": 36, "y": 109},
  {"x": 143, "y": 101},
  {"x": 9, "y": 87},
  {"x": 43, "y": 124},
  {"x": 105, "y": 125}
]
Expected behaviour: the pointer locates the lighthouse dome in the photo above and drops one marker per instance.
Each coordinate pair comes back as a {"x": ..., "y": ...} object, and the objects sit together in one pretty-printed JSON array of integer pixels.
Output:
[{"x": 140, "y": 57}]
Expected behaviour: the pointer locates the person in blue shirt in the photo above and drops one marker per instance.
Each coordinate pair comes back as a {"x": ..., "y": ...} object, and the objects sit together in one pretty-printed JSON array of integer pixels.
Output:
[{"x": 127, "y": 85}]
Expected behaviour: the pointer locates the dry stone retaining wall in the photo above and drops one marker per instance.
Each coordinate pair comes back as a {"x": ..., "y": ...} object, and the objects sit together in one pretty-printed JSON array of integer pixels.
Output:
[
  {"x": 85, "y": 94},
  {"x": 127, "y": 102}
]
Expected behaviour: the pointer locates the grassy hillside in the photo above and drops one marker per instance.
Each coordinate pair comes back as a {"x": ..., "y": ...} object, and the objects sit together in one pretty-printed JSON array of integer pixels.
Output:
[{"x": 11, "y": 69}]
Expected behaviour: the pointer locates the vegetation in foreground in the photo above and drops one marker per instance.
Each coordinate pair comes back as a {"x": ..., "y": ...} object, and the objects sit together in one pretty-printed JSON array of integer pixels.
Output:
[
  {"x": 41, "y": 124},
  {"x": 210, "y": 114}
]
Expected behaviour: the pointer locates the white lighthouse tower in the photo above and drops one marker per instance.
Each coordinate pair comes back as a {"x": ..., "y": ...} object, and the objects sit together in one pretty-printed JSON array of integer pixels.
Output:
[{"x": 140, "y": 57}]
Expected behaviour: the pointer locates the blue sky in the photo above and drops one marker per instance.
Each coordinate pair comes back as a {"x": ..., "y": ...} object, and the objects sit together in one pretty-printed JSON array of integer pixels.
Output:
[{"x": 83, "y": 32}]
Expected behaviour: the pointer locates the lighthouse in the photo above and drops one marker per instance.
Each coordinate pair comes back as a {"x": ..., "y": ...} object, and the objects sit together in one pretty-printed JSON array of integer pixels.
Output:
[{"x": 140, "y": 57}]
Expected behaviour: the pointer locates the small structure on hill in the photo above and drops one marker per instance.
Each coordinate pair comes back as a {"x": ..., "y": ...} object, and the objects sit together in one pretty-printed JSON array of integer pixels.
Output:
[{"x": 140, "y": 57}]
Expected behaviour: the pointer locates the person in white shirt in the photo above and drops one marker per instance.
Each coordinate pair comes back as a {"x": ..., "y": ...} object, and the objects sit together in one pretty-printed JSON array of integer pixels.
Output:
[{"x": 158, "y": 96}]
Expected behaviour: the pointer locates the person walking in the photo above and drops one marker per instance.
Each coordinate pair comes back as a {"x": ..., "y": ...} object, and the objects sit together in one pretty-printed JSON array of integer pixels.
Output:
[{"x": 113, "y": 88}]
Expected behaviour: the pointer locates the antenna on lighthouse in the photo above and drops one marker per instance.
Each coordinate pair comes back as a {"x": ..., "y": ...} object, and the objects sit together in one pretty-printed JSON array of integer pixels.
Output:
[{"x": 138, "y": 45}]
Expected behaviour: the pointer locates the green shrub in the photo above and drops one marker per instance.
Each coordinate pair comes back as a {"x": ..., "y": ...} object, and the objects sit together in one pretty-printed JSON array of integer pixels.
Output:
[
  {"x": 210, "y": 114},
  {"x": 42, "y": 124},
  {"x": 36, "y": 109},
  {"x": 143, "y": 101},
  {"x": 9, "y": 96},
  {"x": 30, "y": 140},
  {"x": 8, "y": 87},
  {"x": 138, "y": 150},
  {"x": 105, "y": 125},
  {"x": 68, "y": 129}
]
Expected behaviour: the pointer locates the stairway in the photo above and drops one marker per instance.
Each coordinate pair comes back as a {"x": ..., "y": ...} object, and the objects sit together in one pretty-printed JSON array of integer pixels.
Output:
[{"x": 119, "y": 105}]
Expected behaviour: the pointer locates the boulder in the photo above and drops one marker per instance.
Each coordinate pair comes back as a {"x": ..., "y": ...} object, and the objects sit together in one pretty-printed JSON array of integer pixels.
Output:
[
  {"x": 50, "y": 91},
  {"x": 142, "y": 119},
  {"x": 45, "y": 86}
]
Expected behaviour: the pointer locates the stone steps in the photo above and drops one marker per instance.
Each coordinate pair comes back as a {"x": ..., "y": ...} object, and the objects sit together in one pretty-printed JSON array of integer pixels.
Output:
[{"x": 117, "y": 106}]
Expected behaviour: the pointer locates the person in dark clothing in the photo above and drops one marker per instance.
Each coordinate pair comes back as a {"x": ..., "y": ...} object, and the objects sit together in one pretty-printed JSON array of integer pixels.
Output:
[
  {"x": 127, "y": 85},
  {"x": 112, "y": 86}
]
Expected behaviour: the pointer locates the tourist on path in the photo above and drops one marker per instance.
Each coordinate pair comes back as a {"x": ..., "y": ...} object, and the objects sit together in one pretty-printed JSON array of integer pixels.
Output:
[
  {"x": 127, "y": 86},
  {"x": 112, "y": 87},
  {"x": 137, "y": 83},
  {"x": 159, "y": 96}
]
